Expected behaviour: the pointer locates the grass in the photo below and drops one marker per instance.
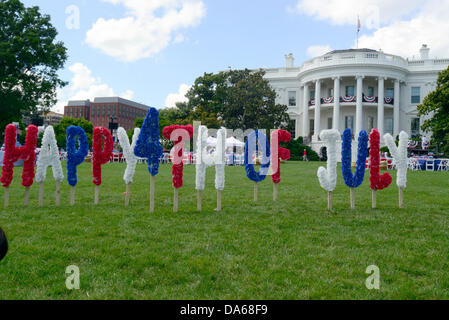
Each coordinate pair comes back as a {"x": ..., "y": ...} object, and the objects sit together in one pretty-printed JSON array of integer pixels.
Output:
[{"x": 292, "y": 249}]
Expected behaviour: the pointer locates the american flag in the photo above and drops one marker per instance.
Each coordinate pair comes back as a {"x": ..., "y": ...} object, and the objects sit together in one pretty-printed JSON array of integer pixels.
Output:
[{"x": 358, "y": 24}]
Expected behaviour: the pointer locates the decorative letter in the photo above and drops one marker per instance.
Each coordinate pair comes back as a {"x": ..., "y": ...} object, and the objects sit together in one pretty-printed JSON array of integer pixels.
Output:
[
  {"x": 400, "y": 159},
  {"x": 204, "y": 160},
  {"x": 178, "y": 134},
  {"x": 328, "y": 177},
  {"x": 255, "y": 140},
  {"x": 353, "y": 181},
  {"x": 12, "y": 154},
  {"x": 377, "y": 181},
  {"x": 100, "y": 156},
  {"x": 49, "y": 156},
  {"x": 148, "y": 145},
  {"x": 75, "y": 156}
]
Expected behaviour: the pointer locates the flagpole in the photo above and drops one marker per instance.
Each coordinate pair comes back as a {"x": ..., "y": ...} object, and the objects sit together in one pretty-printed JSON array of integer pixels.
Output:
[{"x": 358, "y": 30}]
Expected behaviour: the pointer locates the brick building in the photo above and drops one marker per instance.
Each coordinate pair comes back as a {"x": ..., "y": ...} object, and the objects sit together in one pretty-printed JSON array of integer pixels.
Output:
[{"x": 101, "y": 110}]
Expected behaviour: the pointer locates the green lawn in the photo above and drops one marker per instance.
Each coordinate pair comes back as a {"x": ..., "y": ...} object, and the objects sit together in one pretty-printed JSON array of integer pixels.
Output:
[{"x": 292, "y": 249}]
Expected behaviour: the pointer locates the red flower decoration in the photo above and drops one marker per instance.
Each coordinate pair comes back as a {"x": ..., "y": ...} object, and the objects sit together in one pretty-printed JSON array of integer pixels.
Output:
[
  {"x": 12, "y": 154},
  {"x": 377, "y": 181},
  {"x": 99, "y": 156},
  {"x": 180, "y": 134},
  {"x": 282, "y": 153}
]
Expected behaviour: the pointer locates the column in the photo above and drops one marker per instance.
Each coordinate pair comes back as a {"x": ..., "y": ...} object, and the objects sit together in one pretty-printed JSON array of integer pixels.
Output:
[
  {"x": 397, "y": 95},
  {"x": 305, "y": 111},
  {"x": 317, "y": 109},
  {"x": 381, "y": 107},
  {"x": 359, "y": 107},
  {"x": 336, "y": 116}
]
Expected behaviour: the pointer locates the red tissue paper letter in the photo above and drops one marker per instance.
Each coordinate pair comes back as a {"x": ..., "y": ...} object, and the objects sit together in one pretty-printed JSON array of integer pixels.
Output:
[
  {"x": 377, "y": 181},
  {"x": 278, "y": 153},
  {"x": 13, "y": 153},
  {"x": 99, "y": 156},
  {"x": 179, "y": 134}
]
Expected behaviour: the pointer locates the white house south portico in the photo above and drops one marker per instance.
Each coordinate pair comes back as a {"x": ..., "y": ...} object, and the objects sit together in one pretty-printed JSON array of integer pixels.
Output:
[{"x": 360, "y": 89}]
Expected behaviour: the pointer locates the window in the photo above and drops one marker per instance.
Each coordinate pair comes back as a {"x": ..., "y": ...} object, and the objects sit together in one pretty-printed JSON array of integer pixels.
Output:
[
  {"x": 312, "y": 94},
  {"x": 415, "y": 127},
  {"x": 98, "y": 111},
  {"x": 103, "y": 110},
  {"x": 349, "y": 122},
  {"x": 370, "y": 91},
  {"x": 109, "y": 110},
  {"x": 349, "y": 91},
  {"x": 312, "y": 127},
  {"x": 330, "y": 92},
  {"x": 329, "y": 123},
  {"x": 292, "y": 128},
  {"x": 389, "y": 125},
  {"x": 389, "y": 93},
  {"x": 416, "y": 97},
  {"x": 370, "y": 123},
  {"x": 292, "y": 98},
  {"x": 93, "y": 111}
]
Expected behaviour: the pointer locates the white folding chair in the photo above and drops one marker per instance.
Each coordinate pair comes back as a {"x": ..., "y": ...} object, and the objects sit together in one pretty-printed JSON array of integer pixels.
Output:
[
  {"x": 430, "y": 165},
  {"x": 444, "y": 165}
]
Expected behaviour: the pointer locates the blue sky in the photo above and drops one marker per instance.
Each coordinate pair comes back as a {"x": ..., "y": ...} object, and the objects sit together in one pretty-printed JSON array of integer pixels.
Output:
[{"x": 126, "y": 54}]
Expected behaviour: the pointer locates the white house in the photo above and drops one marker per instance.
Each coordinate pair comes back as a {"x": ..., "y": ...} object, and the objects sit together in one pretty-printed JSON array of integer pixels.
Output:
[{"x": 359, "y": 89}]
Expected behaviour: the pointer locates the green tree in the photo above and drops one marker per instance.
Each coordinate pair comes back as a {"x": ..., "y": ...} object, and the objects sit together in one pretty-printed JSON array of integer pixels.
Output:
[
  {"x": 29, "y": 60},
  {"x": 237, "y": 99},
  {"x": 60, "y": 130},
  {"x": 436, "y": 105}
]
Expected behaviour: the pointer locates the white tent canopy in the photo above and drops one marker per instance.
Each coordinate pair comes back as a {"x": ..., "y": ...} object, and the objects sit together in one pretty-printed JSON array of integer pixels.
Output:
[{"x": 230, "y": 142}]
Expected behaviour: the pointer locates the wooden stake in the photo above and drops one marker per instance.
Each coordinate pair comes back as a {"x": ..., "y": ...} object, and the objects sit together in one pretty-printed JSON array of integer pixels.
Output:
[
  {"x": 72, "y": 196},
  {"x": 199, "y": 195},
  {"x": 352, "y": 195},
  {"x": 58, "y": 193},
  {"x": 151, "y": 194},
  {"x": 127, "y": 194},
  {"x": 27, "y": 196},
  {"x": 329, "y": 200},
  {"x": 275, "y": 192},
  {"x": 97, "y": 194},
  {"x": 401, "y": 198},
  {"x": 41, "y": 194},
  {"x": 175, "y": 201},
  {"x": 374, "y": 199},
  {"x": 218, "y": 200},
  {"x": 255, "y": 191},
  {"x": 6, "y": 197}
]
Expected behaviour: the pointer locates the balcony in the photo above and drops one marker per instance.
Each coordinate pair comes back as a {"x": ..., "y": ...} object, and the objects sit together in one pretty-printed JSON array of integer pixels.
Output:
[{"x": 353, "y": 99}]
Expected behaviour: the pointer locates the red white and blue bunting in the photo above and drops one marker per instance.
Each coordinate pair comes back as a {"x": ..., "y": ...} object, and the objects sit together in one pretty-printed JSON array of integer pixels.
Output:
[
  {"x": 369, "y": 99},
  {"x": 312, "y": 102},
  {"x": 348, "y": 99},
  {"x": 388, "y": 100},
  {"x": 328, "y": 100}
]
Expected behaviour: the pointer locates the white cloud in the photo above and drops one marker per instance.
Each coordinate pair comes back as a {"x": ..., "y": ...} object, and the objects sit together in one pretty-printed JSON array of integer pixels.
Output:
[
  {"x": 180, "y": 96},
  {"x": 315, "y": 51},
  {"x": 430, "y": 27},
  {"x": 398, "y": 27},
  {"x": 84, "y": 85},
  {"x": 372, "y": 12},
  {"x": 146, "y": 29}
]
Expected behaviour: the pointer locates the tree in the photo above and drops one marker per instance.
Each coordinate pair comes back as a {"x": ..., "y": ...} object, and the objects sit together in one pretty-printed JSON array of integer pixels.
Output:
[
  {"x": 250, "y": 103},
  {"x": 60, "y": 130},
  {"x": 436, "y": 105},
  {"x": 29, "y": 60},
  {"x": 237, "y": 99}
]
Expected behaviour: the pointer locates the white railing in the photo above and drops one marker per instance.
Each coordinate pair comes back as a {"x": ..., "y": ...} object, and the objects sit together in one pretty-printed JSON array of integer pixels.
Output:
[{"x": 354, "y": 58}]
